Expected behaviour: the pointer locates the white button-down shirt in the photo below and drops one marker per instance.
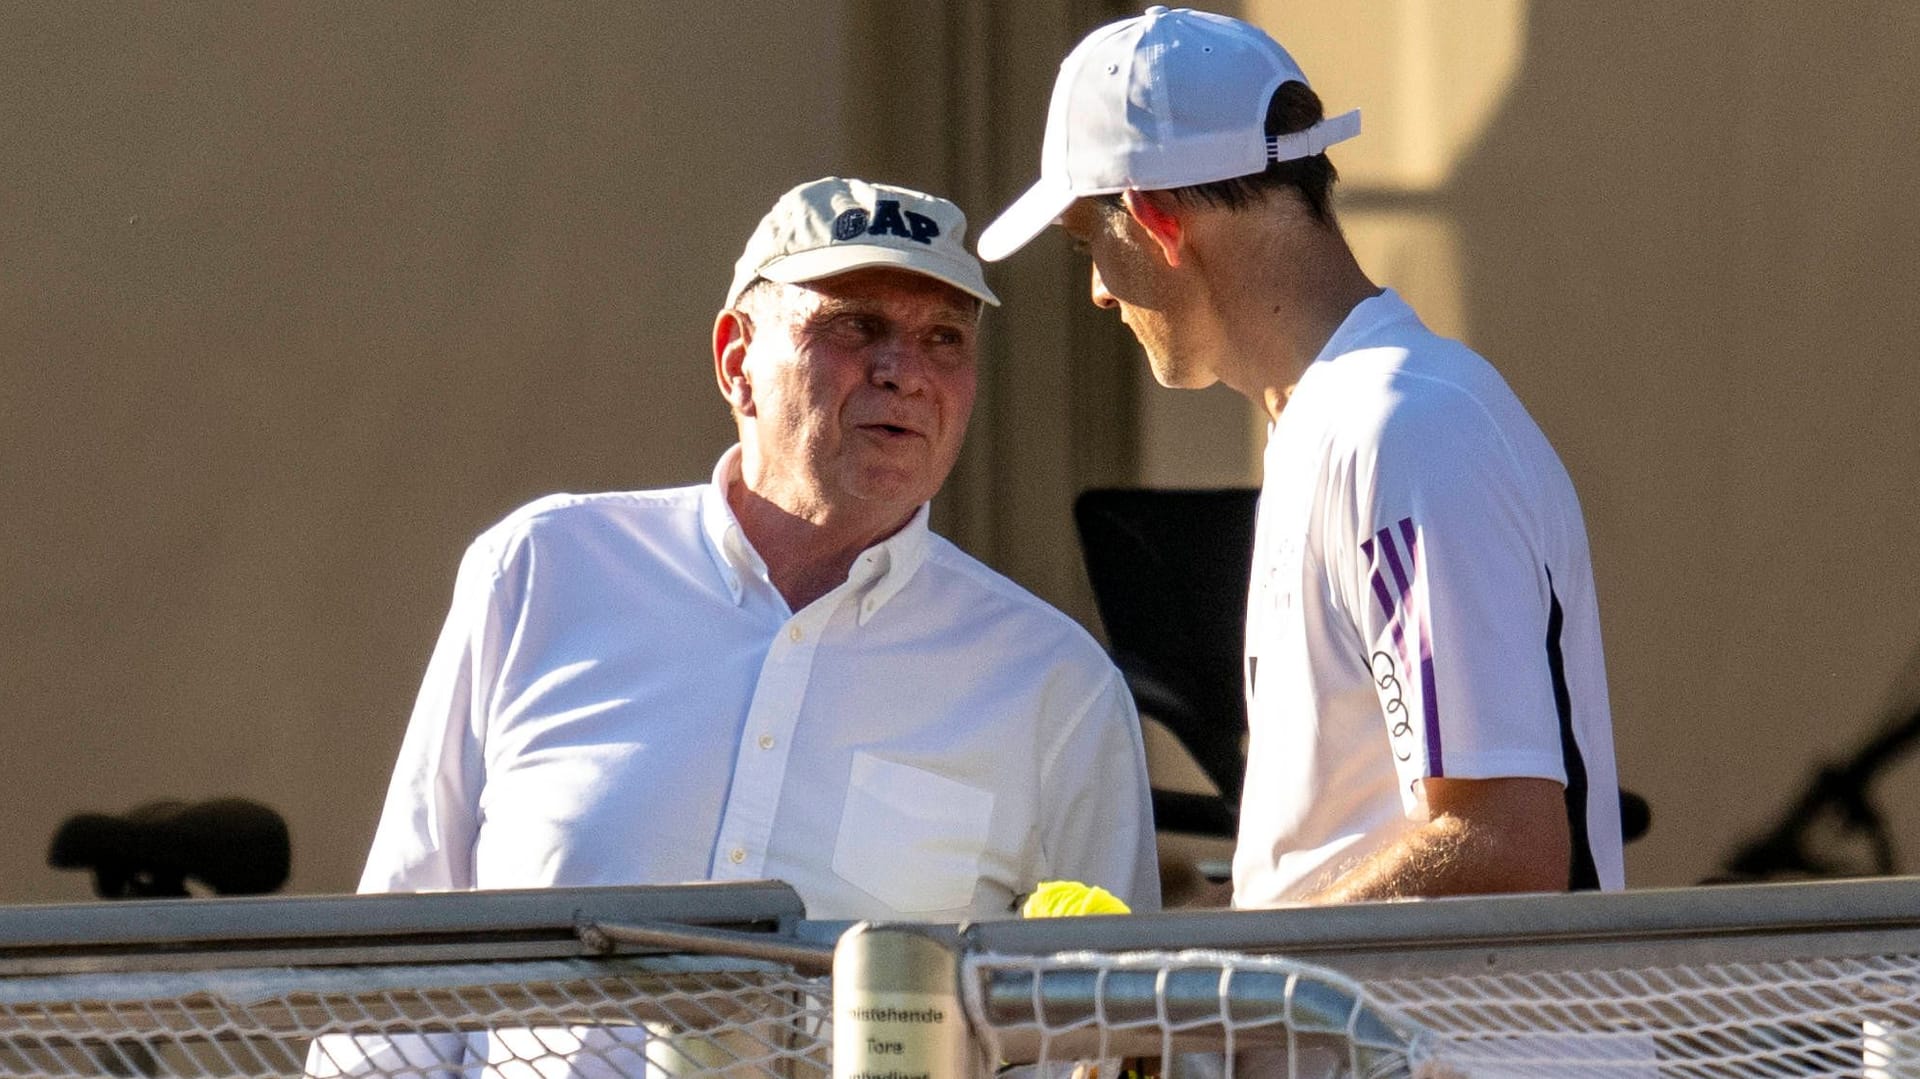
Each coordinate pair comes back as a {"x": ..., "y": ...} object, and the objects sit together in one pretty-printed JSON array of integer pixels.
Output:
[{"x": 620, "y": 695}]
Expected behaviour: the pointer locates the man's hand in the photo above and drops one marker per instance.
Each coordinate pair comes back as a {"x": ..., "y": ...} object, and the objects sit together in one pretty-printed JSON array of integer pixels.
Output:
[{"x": 1481, "y": 836}]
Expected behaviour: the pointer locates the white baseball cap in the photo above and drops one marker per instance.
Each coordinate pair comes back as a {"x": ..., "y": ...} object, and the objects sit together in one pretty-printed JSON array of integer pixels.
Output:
[
  {"x": 832, "y": 225},
  {"x": 1165, "y": 99}
]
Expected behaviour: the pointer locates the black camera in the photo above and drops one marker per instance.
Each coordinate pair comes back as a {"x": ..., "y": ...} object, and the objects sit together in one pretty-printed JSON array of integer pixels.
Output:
[{"x": 229, "y": 845}]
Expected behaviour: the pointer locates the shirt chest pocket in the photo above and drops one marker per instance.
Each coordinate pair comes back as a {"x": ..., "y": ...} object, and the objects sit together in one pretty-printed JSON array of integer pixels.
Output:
[{"x": 911, "y": 838}]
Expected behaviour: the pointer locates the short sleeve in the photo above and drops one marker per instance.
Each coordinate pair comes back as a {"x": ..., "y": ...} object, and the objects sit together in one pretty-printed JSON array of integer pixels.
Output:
[{"x": 1452, "y": 599}]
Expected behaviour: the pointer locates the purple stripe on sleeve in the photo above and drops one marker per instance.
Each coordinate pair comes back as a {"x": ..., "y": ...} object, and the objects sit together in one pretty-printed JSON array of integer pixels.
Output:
[
  {"x": 1417, "y": 611},
  {"x": 1385, "y": 536},
  {"x": 1388, "y": 604},
  {"x": 1432, "y": 710}
]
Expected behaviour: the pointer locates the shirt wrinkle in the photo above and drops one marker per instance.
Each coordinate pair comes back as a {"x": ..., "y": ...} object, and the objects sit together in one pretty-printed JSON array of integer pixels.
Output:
[{"x": 1067, "y": 729}]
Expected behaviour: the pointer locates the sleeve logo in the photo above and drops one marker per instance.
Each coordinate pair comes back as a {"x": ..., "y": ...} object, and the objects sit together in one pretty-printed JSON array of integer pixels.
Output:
[{"x": 1403, "y": 650}]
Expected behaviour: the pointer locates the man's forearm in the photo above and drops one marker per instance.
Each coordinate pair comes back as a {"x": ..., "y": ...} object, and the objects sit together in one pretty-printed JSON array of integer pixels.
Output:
[
  {"x": 1483, "y": 838},
  {"x": 1443, "y": 857}
]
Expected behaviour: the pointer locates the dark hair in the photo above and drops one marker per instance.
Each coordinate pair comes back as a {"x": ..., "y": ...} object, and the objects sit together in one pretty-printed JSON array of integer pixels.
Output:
[{"x": 1293, "y": 107}]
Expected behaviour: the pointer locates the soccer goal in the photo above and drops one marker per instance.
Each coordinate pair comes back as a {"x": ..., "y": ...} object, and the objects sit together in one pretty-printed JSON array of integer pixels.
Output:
[
  {"x": 732, "y": 980},
  {"x": 1818, "y": 979},
  {"x": 533, "y": 984}
]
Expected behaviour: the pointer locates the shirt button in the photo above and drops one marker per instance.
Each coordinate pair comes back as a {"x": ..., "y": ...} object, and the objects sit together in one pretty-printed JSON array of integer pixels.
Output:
[
  {"x": 794, "y": 634},
  {"x": 766, "y": 741},
  {"x": 736, "y": 856}
]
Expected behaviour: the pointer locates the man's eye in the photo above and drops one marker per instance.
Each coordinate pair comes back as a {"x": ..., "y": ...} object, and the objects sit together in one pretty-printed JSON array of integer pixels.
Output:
[{"x": 857, "y": 325}]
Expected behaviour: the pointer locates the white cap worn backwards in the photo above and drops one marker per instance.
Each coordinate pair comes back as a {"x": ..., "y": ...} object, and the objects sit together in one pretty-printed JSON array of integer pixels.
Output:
[
  {"x": 1165, "y": 99},
  {"x": 830, "y": 226}
]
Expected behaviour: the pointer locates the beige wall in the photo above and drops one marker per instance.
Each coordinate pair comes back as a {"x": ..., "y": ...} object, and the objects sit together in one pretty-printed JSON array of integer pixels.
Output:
[
  {"x": 295, "y": 299},
  {"x": 298, "y": 298}
]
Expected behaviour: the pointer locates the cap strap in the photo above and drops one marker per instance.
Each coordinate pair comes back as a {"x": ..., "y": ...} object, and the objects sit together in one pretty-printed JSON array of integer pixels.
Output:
[{"x": 1315, "y": 139}]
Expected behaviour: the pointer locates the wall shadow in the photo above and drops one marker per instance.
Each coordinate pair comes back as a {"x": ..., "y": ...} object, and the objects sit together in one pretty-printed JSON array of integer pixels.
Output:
[{"x": 1689, "y": 240}]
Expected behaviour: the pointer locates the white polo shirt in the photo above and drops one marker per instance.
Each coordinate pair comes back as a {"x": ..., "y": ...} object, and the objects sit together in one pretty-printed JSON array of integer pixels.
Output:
[
  {"x": 1422, "y": 605},
  {"x": 621, "y": 696}
]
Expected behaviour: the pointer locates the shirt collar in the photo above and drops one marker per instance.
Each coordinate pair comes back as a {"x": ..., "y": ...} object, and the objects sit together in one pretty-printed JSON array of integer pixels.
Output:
[
  {"x": 1367, "y": 316},
  {"x": 733, "y": 556},
  {"x": 881, "y": 571}
]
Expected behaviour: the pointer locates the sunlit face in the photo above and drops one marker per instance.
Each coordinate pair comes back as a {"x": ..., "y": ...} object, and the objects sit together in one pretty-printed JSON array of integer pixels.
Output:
[
  {"x": 858, "y": 391},
  {"x": 1129, "y": 276}
]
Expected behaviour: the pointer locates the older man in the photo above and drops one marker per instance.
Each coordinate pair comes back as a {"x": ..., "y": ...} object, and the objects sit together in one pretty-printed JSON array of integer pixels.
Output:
[{"x": 781, "y": 673}]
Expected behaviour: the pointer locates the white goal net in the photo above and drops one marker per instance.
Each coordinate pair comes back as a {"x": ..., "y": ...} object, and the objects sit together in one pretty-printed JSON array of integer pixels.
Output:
[
  {"x": 628, "y": 1016},
  {"x": 1219, "y": 1014},
  {"x": 700, "y": 979}
]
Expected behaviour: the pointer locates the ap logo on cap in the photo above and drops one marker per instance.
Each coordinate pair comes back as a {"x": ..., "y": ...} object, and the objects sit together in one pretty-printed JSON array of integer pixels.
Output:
[{"x": 887, "y": 218}]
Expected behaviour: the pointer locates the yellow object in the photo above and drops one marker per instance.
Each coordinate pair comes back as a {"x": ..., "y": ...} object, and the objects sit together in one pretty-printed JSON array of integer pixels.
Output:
[{"x": 1070, "y": 898}]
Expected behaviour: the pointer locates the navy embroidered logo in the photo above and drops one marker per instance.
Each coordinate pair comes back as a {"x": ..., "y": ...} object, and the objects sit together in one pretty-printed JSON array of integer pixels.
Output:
[
  {"x": 887, "y": 219},
  {"x": 850, "y": 224}
]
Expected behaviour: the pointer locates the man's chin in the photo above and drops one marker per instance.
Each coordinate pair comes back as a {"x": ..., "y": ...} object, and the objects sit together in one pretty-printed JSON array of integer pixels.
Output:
[
  {"x": 898, "y": 489},
  {"x": 1178, "y": 377}
]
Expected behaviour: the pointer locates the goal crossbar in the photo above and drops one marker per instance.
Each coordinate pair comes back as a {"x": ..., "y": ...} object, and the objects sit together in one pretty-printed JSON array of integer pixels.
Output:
[
  {"x": 275, "y": 931},
  {"x": 1722, "y": 923}
]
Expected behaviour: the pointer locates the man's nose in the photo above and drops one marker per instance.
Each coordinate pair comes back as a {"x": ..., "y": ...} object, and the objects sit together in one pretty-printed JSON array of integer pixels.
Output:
[
  {"x": 1101, "y": 297},
  {"x": 899, "y": 366}
]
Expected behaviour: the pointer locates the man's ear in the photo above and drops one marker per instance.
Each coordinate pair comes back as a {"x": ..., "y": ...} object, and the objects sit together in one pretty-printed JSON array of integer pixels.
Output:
[
  {"x": 1158, "y": 217},
  {"x": 732, "y": 332}
]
